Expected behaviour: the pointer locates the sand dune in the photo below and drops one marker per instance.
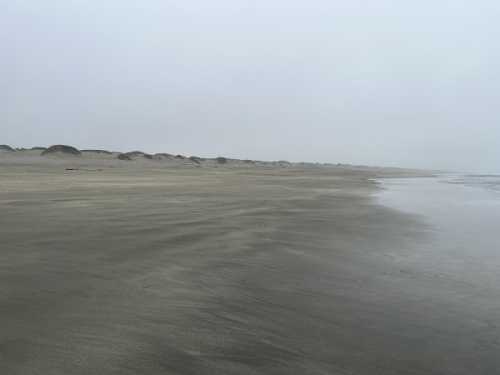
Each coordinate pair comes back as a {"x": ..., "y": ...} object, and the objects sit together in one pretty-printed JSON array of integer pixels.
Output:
[
  {"x": 158, "y": 159},
  {"x": 61, "y": 150}
]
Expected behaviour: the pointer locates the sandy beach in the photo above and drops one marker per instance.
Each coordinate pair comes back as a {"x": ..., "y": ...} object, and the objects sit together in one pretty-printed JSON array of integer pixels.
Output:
[{"x": 115, "y": 268}]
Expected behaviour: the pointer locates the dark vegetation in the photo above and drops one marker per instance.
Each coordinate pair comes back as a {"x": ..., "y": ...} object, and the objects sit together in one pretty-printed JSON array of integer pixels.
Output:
[
  {"x": 134, "y": 155},
  {"x": 162, "y": 156},
  {"x": 62, "y": 149},
  {"x": 6, "y": 148},
  {"x": 99, "y": 152},
  {"x": 124, "y": 157},
  {"x": 196, "y": 159},
  {"x": 284, "y": 163}
]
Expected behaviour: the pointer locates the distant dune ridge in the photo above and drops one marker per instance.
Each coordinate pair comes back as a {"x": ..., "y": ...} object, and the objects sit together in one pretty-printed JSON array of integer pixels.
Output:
[{"x": 139, "y": 158}]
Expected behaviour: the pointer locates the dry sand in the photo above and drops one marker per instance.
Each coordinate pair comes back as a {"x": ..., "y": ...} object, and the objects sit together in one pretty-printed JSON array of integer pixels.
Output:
[{"x": 121, "y": 269}]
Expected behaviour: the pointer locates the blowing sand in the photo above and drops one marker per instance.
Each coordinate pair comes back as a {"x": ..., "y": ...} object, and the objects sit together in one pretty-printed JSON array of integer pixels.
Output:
[{"x": 121, "y": 269}]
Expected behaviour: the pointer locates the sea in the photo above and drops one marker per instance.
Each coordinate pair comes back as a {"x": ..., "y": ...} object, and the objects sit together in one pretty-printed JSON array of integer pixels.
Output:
[
  {"x": 483, "y": 181},
  {"x": 453, "y": 268},
  {"x": 461, "y": 214}
]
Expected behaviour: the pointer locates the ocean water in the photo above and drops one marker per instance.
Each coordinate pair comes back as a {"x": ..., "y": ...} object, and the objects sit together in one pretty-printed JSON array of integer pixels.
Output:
[
  {"x": 454, "y": 270},
  {"x": 486, "y": 181},
  {"x": 462, "y": 214}
]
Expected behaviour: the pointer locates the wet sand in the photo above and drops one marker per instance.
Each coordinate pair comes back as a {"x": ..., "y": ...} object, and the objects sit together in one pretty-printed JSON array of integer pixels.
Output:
[{"x": 222, "y": 271}]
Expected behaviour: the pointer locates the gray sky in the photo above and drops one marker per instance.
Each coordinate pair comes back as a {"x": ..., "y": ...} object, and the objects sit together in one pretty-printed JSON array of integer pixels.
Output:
[{"x": 385, "y": 82}]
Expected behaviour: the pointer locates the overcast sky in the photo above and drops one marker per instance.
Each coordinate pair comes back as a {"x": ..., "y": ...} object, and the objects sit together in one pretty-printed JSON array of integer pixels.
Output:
[{"x": 381, "y": 82}]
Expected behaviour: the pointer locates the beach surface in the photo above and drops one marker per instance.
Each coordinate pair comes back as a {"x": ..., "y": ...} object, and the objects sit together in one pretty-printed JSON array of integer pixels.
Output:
[{"x": 115, "y": 268}]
